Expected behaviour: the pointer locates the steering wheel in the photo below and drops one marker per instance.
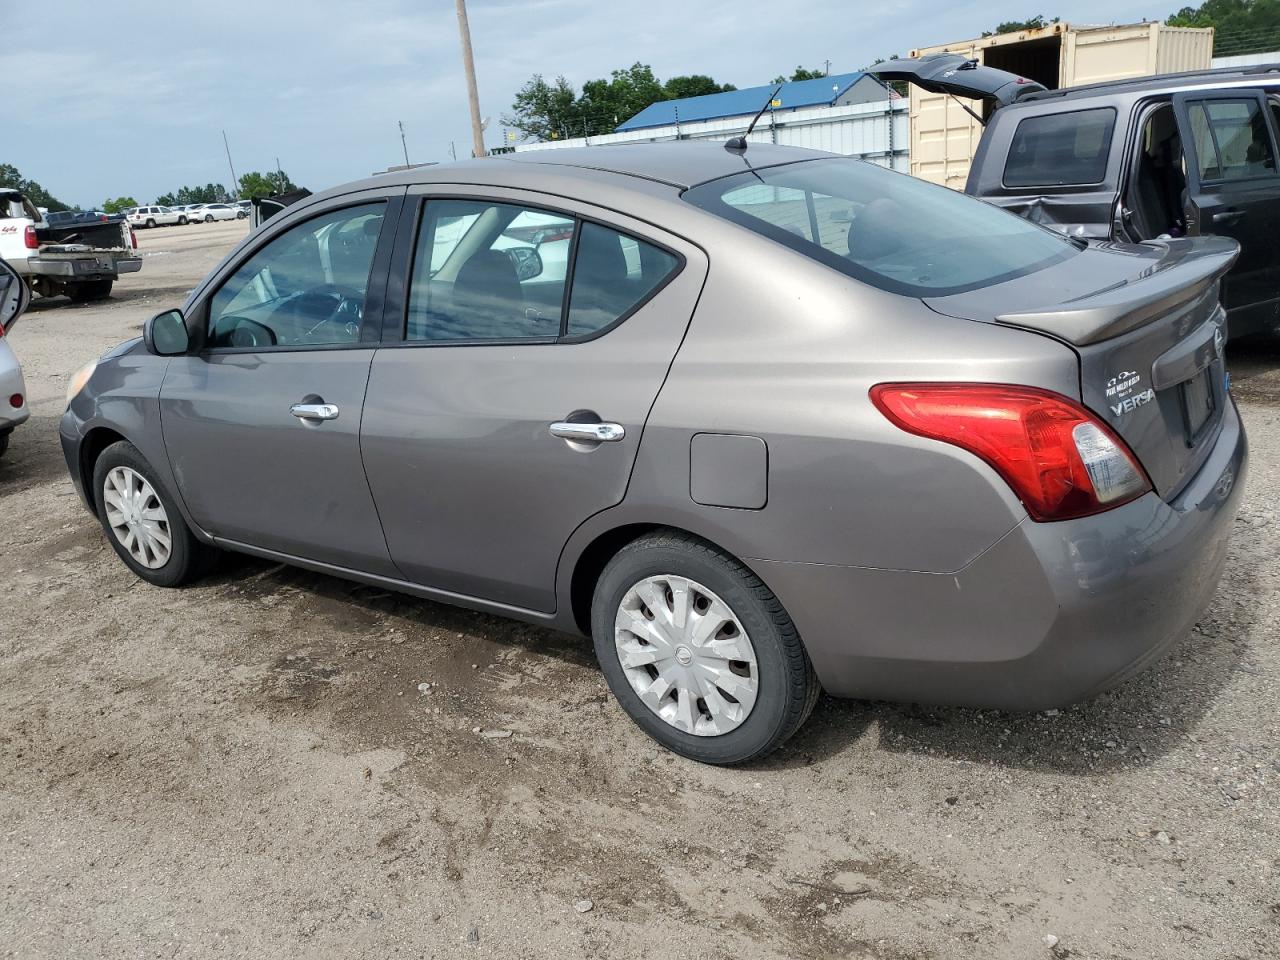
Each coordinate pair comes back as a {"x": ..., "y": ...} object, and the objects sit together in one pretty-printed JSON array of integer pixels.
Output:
[{"x": 348, "y": 307}]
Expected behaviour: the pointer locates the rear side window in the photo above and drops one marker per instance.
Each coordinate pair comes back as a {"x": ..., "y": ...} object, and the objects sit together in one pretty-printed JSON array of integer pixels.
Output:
[
  {"x": 1060, "y": 149},
  {"x": 612, "y": 275},
  {"x": 1231, "y": 139},
  {"x": 886, "y": 229},
  {"x": 490, "y": 271}
]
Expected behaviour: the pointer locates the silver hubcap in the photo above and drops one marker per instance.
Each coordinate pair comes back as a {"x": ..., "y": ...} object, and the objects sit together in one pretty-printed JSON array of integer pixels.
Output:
[
  {"x": 137, "y": 517},
  {"x": 686, "y": 656}
]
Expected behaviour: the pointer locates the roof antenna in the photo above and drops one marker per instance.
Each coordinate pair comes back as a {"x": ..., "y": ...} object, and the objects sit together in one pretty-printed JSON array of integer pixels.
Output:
[{"x": 739, "y": 144}]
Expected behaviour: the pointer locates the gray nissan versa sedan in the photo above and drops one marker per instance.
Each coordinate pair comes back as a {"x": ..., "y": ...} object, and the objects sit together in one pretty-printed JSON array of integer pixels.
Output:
[{"x": 761, "y": 422}]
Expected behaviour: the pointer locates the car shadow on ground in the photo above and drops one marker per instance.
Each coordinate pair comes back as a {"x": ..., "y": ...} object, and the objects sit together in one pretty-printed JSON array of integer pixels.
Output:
[{"x": 1130, "y": 726}]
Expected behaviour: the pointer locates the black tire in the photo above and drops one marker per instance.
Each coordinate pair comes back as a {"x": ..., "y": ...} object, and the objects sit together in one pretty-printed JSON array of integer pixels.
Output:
[
  {"x": 182, "y": 221},
  {"x": 150, "y": 223},
  {"x": 787, "y": 685},
  {"x": 89, "y": 290},
  {"x": 240, "y": 215},
  {"x": 189, "y": 559},
  {"x": 4, "y": 441},
  {"x": 208, "y": 218}
]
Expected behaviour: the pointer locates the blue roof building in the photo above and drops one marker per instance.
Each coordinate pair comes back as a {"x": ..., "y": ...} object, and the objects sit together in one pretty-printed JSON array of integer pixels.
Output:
[{"x": 824, "y": 92}]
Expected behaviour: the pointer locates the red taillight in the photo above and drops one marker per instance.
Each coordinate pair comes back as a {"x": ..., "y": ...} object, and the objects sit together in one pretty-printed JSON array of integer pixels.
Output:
[
  {"x": 29, "y": 238},
  {"x": 133, "y": 239},
  {"x": 1059, "y": 458},
  {"x": 104, "y": 218},
  {"x": 15, "y": 401}
]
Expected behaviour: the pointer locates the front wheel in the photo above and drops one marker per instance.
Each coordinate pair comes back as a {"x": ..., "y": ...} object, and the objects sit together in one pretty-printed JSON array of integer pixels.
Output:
[
  {"x": 182, "y": 221},
  {"x": 208, "y": 218},
  {"x": 143, "y": 525},
  {"x": 150, "y": 223},
  {"x": 699, "y": 652}
]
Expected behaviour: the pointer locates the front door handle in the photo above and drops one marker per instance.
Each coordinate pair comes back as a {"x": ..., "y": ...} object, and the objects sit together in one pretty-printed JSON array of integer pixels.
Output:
[
  {"x": 315, "y": 411},
  {"x": 588, "y": 432},
  {"x": 1228, "y": 216}
]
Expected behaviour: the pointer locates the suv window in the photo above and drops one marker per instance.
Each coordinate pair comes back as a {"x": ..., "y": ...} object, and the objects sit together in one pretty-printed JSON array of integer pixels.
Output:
[
  {"x": 886, "y": 229},
  {"x": 306, "y": 287},
  {"x": 613, "y": 273},
  {"x": 1231, "y": 139},
  {"x": 1060, "y": 149},
  {"x": 488, "y": 271}
]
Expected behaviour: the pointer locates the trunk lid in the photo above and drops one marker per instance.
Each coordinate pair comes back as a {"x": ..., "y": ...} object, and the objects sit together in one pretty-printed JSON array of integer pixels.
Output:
[
  {"x": 958, "y": 76},
  {"x": 1149, "y": 331}
]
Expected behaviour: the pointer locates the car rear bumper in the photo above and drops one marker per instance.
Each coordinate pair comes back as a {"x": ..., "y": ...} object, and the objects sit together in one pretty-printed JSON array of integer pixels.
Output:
[
  {"x": 1052, "y": 613},
  {"x": 11, "y": 385},
  {"x": 84, "y": 268}
]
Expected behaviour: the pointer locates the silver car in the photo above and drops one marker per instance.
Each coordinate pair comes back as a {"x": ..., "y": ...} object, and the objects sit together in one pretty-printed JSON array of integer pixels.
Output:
[
  {"x": 785, "y": 422},
  {"x": 14, "y": 298}
]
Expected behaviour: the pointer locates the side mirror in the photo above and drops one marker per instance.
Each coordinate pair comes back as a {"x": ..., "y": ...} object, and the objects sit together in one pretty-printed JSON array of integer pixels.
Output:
[
  {"x": 166, "y": 335},
  {"x": 14, "y": 296},
  {"x": 528, "y": 262}
]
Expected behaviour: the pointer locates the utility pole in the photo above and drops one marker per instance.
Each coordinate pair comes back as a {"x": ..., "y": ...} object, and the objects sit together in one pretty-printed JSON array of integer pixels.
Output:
[
  {"x": 403, "y": 143},
  {"x": 469, "y": 65},
  {"x": 452, "y": 152},
  {"x": 827, "y": 70},
  {"x": 235, "y": 184}
]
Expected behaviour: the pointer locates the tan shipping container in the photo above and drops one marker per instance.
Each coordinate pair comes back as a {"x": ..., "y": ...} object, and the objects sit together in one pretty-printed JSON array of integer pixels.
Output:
[{"x": 944, "y": 137}]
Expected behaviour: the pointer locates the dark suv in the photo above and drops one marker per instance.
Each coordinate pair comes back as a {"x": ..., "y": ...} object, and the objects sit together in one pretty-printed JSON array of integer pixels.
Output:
[{"x": 1168, "y": 156}]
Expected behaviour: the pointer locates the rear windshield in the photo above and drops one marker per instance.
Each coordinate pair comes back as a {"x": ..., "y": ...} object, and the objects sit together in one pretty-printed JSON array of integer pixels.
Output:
[
  {"x": 1060, "y": 149},
  {"x": 886, "y": 229}
]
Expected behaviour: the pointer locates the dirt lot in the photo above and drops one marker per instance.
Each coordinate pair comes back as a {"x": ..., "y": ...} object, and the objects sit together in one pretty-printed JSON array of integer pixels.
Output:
[{"x": 247, "y": 768}]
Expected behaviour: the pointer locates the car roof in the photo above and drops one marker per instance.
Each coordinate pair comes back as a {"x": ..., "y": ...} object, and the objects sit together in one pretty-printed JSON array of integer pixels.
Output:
[
  {"x": 679, "y": 164},
  {"x": 1168, "y": 82}
]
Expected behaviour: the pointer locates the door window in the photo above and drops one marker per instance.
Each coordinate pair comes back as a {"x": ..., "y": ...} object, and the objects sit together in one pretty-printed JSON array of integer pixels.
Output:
[
  {"x": 305, "y": 288},
  {"x": 1060, "y": 148},
  {"x": 488, "y": 271},
  {"x": 1231, "y": 139},
  {"x": 613, "y": 274}
]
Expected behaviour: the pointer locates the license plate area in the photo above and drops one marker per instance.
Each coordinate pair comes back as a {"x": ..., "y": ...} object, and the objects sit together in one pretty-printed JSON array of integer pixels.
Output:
[{"x": 1198, "y": 404}]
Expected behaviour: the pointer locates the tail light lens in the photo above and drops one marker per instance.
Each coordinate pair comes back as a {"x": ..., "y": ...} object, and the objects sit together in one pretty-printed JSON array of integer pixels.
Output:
[
  {"x": 133, "y": 238},
  {"x": 1060, "y": 459},
  {"x": 15, "y": 401},
  {"x": 29, "y": 238}
]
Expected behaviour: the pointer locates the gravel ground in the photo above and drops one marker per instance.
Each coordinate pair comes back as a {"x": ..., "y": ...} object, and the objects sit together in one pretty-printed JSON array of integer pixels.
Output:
[{"x": 249, "y": 768}]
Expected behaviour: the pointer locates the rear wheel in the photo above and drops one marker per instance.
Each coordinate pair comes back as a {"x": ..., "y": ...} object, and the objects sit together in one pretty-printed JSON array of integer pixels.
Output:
[
  {"x": 4, "y": 441},
  {"x": 208, "y": 218},
  {"x": 143, "y": 525},
  {"x": 89, "y": 290},
  {"x": 699, "y": 652},
  {"x": 182, "y": 221}
]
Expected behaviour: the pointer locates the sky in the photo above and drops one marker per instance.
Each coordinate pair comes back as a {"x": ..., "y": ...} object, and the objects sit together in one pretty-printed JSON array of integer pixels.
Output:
[{"x": 131, "y": 98}]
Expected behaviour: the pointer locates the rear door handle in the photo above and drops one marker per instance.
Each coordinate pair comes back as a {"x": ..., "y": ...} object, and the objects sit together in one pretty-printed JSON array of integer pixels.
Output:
[
  {"x": 1228, "y": 216},
  {"x": 588, "y": 432},
  {"x": 315, "y": 411}
]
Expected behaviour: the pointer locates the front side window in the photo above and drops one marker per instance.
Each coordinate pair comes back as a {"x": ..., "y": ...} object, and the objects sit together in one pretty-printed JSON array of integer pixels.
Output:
[
  {"x": 886, "y": 229},
  {"x": 488, "y": 271},
  {"x": 1060, "y": 149},
  {"x": 305, "y": 288},
  {"x": 1231, "y": 139}
]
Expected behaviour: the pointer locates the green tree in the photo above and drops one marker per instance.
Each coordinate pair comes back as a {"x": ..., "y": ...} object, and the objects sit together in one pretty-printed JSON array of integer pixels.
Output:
[
  {"x": 1038, "y": 22},
  {"x": 545, "y": 110},
  {"x": 121, "y": 204},
  {"x": 695, "y": 85},
  {"x": 256, "y": 184},
  {"x": 800, "y": 73},
  {"x": 167, "y": 200},
  {"x": 1240, "y": 26},
  {"x": 12, "y": 178}
]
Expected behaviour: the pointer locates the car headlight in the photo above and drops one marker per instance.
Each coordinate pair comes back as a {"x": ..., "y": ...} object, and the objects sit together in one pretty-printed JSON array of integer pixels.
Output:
[{"x": 79, "y": 379}]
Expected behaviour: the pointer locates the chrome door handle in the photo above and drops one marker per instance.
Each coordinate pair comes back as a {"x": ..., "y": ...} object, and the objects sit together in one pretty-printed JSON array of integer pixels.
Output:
[
  {"x": 315, "y": 411},
  {"x": 1228, "y": 216},
  {"x": 588, "y": 432}
]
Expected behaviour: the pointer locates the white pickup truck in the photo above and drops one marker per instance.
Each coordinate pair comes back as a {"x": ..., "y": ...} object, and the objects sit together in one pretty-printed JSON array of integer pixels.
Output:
[{"x": 79, "y": 260}]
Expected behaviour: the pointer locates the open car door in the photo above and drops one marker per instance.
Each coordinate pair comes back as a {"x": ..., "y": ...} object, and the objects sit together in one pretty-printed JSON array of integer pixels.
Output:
[
  {"x": 1233, "y": 190},
  {"x": 950, "y": 73},
  {"x": 14, "y": 297}
]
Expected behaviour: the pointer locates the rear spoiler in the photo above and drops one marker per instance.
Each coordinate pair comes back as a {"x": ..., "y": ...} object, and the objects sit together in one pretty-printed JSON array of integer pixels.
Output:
[
  {"x": 958, "y": 76},
  {"x": 1189, "y": 267}
]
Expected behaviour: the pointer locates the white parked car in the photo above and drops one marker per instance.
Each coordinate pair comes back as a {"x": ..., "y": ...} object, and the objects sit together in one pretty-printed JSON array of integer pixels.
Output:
[
  {"x": 209, "y": 212},
  {"x": 155, "y": 216},
  {"x": 14, "y": 297}
]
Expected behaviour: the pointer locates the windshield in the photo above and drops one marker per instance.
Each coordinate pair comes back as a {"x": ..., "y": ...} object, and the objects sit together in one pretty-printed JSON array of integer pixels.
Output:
[{"x": 886, "y": 229}]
